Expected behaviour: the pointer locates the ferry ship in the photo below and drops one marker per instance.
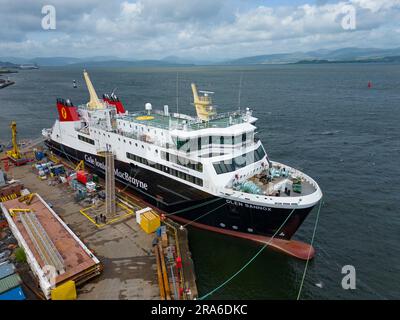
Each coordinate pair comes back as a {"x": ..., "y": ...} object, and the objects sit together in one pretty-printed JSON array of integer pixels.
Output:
[{"x": 208, "y": 169}]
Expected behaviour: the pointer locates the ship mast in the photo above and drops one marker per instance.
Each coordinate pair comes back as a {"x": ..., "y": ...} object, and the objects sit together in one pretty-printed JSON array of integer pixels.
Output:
[{"x": 203, "y": 104}]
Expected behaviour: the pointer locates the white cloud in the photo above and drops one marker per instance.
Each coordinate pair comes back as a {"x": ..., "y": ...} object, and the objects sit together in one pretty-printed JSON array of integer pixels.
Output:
[
  {"x": 198, "y": 28},
  {"x": 131, "y": 8},
  {"x": 376, "y": 5}
]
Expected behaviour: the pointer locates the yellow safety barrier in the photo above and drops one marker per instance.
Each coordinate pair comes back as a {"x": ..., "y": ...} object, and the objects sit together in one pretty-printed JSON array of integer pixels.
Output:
[
  {"x": 8, "y": 197},
  {"x": 99, "y": 225}
]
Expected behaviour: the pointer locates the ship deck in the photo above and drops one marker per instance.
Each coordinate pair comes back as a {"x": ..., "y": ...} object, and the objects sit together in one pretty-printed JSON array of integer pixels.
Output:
[
  {"x": 279, "y": 183},
  {"x": 159, "y": 120},
  {"x": 306, "y": 187}
]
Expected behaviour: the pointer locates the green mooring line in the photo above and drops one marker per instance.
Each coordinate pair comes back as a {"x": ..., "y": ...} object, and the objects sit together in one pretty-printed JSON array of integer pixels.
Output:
[
  {"x": 193, "y": 207},
  {"x": 248, "y": 262}
]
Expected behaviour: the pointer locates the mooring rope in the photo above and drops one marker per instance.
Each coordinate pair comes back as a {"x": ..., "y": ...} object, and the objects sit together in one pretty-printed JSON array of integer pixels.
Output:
[
  {"x": 203, "y": 215},
  {"x": 63, "y": 150},
  {"x": 248, "y": 262},
  {"x": 309, "y": 251},
  {"x": 193, "y": 207}
]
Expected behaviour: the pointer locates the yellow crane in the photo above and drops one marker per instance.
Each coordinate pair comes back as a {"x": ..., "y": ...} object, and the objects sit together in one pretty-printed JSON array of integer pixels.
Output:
[{"x": 14, "y": 153}]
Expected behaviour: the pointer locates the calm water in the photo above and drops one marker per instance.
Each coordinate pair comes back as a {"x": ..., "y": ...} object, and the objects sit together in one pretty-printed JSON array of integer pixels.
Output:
[{"x": 321, "y": 119}]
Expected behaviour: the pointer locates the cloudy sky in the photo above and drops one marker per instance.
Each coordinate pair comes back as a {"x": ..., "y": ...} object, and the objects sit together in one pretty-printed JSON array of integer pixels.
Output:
[{"x": 202, "y": 29}]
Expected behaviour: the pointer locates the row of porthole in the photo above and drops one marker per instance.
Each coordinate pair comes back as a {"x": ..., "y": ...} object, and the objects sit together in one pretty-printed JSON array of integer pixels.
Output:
[
  {"x": 270, "y": 199},
  {"x": 136, "y": 145},
  {"x": 130, "y": 142},
  {"x": 223, "y": 225},
  {"x": 94, "y": 131}
]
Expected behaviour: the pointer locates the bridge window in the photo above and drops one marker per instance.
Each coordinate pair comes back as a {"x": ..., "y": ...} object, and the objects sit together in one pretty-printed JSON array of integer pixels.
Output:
[
  {"x": 194, "y": 165},
  {"x": 239, "y": 162},
  {"x": 87, "y": 140},
  {"x": 160, "y": 167}
]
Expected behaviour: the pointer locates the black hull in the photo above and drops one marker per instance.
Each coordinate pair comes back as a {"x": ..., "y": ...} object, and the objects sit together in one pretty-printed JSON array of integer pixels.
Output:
[{"x": 172, "y": 196}]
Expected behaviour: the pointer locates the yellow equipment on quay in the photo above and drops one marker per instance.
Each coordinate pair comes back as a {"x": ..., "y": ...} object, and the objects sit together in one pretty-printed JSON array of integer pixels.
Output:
[
  {"x": 14, "y": 154},
  {"x": 149, "y": 222}
]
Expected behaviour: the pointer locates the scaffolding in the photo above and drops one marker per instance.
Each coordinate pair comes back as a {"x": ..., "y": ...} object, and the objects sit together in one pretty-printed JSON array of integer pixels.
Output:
[{"x": 110, "y": 184}]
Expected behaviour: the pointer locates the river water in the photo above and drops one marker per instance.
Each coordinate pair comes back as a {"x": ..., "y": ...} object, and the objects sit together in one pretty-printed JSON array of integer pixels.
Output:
[{"x": 321, "y": 119}]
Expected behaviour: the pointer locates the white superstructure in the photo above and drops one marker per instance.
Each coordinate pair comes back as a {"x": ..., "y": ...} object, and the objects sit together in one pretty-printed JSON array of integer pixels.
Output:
[{"x": 218, "y": 155}]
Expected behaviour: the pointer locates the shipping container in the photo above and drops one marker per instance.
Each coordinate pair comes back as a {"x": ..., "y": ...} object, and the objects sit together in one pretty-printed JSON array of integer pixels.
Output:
[
  {"x": 9, "y": 282},
  {"x": 13, "y": 294},
  {"x": 6, "y": 269}
]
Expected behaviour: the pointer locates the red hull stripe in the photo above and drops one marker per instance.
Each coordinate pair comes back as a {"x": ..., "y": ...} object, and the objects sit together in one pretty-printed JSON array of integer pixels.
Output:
[{"x": 292, "y": 248}]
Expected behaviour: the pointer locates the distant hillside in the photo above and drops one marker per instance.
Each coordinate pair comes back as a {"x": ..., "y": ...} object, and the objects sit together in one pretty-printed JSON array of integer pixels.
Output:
[
  {"x": 271, "y": 59},
  {"x": 395, "y": 59},
  {"x": 54, "y": 61},
  {"x": 346, "y": 55},
  {"x": 188, "y": 61},
  {"x": 126, "y": 64},
  {"x": 94, "y": 62},
  {"x": 6, "y": 65},
  {"x": 340, "y": 55}
]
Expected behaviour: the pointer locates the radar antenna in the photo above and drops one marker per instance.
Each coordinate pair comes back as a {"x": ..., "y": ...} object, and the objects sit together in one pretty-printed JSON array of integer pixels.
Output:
[
  {"x": 240, "y": 89},
  {"x": 177, "y": 92}
]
